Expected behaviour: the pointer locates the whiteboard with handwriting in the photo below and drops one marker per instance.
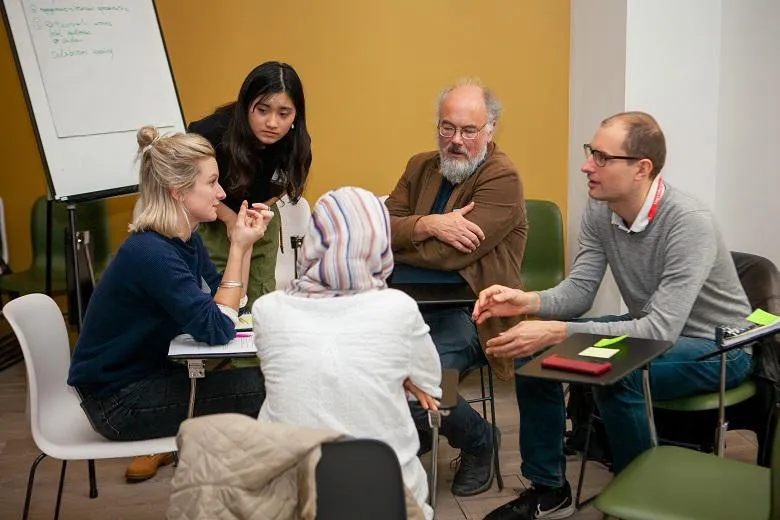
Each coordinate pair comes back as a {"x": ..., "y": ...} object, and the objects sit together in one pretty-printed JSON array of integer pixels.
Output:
[{"x": 94, "y": 72}]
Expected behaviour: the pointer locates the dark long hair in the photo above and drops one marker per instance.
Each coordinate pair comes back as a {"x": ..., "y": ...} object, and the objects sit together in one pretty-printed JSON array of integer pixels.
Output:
[{"x": 293, "y": 150}]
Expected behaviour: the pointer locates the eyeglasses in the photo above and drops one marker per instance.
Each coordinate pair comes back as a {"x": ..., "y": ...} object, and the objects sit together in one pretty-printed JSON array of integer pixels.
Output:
[
  {"x": 448, "y": 131},
  {"x": 602, "y": 158}
]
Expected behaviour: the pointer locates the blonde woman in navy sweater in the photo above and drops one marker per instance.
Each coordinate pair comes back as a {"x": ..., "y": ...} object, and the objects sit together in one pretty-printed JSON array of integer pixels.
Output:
[{"x": 162, "y": 284}]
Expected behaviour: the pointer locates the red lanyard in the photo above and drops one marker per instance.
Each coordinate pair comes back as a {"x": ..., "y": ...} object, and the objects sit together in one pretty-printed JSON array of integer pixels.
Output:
[{"x": 656, "y": 198}]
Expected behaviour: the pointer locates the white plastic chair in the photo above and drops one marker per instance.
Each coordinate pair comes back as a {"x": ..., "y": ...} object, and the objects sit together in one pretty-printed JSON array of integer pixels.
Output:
[
  {"x": 60, "y": 427},
  {"x": 295, "y": 221}
]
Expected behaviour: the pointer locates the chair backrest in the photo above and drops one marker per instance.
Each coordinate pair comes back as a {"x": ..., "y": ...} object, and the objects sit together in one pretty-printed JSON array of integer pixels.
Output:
[
  {"x": 295, "y": 222},
  {"x": 543, "y": 261},
  {"x": 761, "y": 281},
  {"x": 40, "y": 328},
  {"x": 359, "y": 479},
  {"x": 89, "y": 216}
]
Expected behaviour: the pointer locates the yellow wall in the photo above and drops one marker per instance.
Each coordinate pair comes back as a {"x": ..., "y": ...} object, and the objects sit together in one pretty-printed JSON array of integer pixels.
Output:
[{"x": 372, "y": 72}]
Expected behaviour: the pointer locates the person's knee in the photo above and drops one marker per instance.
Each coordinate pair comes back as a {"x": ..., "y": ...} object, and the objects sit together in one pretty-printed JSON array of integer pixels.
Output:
[{"x": 626, "y": 391}]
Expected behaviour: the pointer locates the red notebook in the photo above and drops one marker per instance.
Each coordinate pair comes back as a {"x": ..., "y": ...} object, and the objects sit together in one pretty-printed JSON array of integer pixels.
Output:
[{"x": 593, "y": 368}]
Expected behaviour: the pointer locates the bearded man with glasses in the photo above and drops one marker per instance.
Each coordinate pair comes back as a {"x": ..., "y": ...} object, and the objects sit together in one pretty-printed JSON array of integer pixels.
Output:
[{"x": 457, "y": 215}]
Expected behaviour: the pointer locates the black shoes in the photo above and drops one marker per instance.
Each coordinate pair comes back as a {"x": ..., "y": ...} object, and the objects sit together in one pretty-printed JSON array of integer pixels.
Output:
[
  {"x": 475, "y": 472},
  {"x": 538, "y": 502}
]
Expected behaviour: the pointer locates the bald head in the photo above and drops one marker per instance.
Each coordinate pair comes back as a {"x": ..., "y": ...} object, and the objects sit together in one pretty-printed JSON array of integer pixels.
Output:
[
  {"x": 472, "y": 91},
  {"x": 643, "y": 137},
  {"x": 465, "y": 129}
]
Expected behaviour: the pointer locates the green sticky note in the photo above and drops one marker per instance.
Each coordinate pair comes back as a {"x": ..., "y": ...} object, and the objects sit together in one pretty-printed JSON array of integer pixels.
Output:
[
  {"x": 605, "y": 342},
  {"x": 761, "y": 317}
]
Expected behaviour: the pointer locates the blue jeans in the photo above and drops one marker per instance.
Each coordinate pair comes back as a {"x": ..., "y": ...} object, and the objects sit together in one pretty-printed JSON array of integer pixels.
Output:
[
  {"x": 622, "y": 406},
  {"x": 155, "y": 406},
  {"x": 456, "y": 340}
]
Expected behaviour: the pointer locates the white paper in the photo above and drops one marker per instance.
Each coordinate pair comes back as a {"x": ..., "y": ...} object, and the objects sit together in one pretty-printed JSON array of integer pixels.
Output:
[
  {"x": 102, "y": 63},
  {"x": 185, "y": 345},
  {"x": 600, "y": 352}
]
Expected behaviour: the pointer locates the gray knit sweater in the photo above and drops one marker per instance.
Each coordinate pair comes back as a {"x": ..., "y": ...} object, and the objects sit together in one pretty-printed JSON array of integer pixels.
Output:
[{"x": 676, "y": 276}]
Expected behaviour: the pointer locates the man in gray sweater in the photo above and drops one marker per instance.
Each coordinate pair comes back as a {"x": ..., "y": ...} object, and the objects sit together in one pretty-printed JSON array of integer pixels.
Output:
[{"x": 677, "y": 279}]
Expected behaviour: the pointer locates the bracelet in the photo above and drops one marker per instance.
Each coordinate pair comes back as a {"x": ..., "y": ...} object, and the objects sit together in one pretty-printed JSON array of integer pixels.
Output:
[{"x": 230, "y": 284}]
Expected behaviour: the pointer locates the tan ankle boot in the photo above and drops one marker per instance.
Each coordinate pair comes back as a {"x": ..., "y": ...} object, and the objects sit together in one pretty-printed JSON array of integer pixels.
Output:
[{"x": 145, "y": 466}]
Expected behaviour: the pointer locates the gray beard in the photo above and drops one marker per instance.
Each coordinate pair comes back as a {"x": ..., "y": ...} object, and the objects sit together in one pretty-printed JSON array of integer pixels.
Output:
[{"x": 458, "y": 170}]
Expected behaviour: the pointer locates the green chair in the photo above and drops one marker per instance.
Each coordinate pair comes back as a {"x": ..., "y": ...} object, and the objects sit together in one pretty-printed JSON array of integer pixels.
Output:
[
  {"x": 761, "y": 282},
  {"x": 89, "y": 216},
  {"x": 677, "y": 483},
  {"x": 543, "y": 261}
]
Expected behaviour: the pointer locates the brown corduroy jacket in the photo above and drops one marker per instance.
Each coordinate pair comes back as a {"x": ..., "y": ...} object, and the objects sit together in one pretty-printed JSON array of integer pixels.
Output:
[{"x": 499, "y": 211}]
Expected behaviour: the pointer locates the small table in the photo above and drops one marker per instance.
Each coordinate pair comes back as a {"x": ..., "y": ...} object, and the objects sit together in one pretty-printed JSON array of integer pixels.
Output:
[
  {"x": 196, "y": 367},
  {"x": 634, "y": 353},
  {"x": 438, "y": 295}
]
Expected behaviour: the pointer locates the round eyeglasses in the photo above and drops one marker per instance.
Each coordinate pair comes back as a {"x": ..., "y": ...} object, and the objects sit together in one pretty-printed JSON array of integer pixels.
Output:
[{"x": 448, "y": 131}]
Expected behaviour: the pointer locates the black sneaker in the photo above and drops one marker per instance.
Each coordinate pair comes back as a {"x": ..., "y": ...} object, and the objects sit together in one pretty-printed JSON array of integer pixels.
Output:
[
  {"x": 546, "y": 503},
  {"x": 475, "y": 472}
]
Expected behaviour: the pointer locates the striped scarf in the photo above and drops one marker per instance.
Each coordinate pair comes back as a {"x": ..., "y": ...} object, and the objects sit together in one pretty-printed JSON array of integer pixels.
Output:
[{"x": 346, "y": 249}]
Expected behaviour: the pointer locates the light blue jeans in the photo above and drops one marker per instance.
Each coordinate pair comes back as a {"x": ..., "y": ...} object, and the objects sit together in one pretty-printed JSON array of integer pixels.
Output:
[{"x": 622, "y": 406}]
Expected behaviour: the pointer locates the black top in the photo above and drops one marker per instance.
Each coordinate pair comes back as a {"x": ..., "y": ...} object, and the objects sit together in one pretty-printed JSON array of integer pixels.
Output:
[
  {"x": 266, "y": 162},
  {"x": 634, "y": 353}
]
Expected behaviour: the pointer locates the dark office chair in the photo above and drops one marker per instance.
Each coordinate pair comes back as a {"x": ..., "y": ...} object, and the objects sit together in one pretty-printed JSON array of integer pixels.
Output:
[
  {"x": 359, "y": 479},
  {"x": 692, "y": 421}
]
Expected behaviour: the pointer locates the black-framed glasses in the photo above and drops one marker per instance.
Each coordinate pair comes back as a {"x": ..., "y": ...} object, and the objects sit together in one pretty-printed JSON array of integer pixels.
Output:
[
  {"x": 448, "y": 131},
  {"x": 602, "y": 158}
]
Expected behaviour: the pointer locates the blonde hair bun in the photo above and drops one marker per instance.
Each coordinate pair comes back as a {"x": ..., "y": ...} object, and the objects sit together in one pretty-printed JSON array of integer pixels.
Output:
[{"x": 146, "y": 136}]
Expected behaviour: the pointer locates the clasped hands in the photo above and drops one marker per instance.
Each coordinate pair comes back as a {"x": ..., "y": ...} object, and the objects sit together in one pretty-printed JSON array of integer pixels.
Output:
[{"x": 527, "y": 337}]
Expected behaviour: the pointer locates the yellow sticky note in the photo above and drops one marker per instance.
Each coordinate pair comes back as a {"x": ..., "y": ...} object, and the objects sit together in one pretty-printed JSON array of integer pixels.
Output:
[
  {"x": 604, "y": 353},
  {"x": 761, "y": 317},
  {"x": 605, "y": 342}
]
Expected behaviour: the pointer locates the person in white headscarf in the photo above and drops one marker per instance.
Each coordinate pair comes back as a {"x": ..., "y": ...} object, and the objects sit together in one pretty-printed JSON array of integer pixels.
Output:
[{"x": 338, "y": 345}]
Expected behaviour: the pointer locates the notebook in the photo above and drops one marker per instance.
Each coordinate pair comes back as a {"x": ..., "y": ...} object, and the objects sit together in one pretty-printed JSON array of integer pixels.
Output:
[{"x": 185, "y": 346}]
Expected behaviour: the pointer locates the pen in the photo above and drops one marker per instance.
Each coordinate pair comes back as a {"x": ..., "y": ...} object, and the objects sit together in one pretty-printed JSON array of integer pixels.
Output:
[{"x": 244, "y": 334}]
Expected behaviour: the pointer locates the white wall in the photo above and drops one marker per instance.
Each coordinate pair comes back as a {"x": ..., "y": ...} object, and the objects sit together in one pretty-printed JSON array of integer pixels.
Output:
[
  {"x": 748, "y": 182},
  {"x": 672, "y": 71},
  {"x": 709, "y": 71},
  {"x": 596, "y": 79}
]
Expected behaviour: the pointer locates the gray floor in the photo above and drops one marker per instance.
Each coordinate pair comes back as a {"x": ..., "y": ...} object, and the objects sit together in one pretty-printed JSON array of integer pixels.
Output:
[{"x": 149, "y": 499}]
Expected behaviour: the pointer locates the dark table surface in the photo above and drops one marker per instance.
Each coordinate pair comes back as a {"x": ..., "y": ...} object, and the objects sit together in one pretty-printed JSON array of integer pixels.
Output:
[
  {"x": 438, "y": 294},
  {"x": 634, "y": 353}
]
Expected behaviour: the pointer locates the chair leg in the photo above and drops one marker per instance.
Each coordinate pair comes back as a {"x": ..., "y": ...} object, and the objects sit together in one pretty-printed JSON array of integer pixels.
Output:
[
  {"x": 496, "y": 458},
  {"x": 435, "y": 420},
  {"x": 30, "y": 480},
  {"x": 93, "y": 491},
  {"x": 584, "y": 463},
  {"x": 482, "y": 387},
  {"x": 59, "y": 490}
]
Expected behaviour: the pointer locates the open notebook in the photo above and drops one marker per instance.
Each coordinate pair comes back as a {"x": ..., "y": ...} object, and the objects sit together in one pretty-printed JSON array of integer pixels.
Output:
[{"x": 185, "y": 347}]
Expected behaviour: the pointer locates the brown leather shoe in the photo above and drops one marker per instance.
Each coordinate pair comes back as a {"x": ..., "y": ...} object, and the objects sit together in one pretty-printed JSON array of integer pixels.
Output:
[{"x": 145, "y": 467}]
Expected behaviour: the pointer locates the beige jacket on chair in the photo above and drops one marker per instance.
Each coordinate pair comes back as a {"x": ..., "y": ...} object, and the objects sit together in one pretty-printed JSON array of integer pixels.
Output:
[{"x": 231, "y": 467}]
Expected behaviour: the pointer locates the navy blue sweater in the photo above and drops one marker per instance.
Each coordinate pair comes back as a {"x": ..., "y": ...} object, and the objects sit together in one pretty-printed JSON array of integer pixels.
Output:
[{"x": 153, "y": 290}]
